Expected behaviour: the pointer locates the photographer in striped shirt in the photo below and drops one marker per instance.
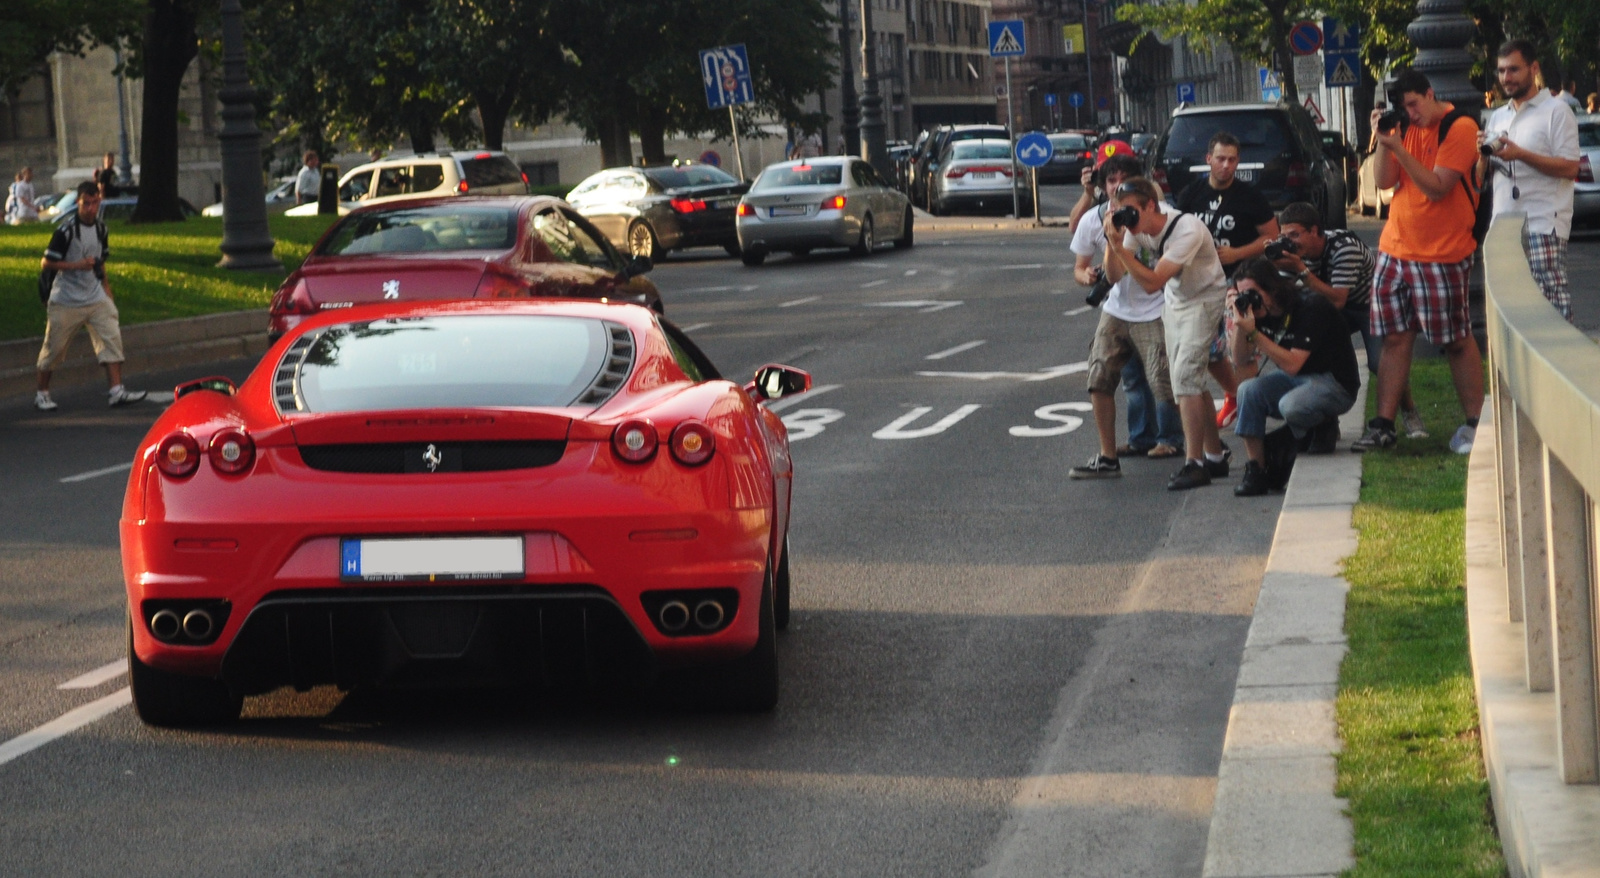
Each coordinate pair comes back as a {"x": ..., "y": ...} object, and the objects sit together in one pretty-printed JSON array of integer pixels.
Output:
[{"x": 1338, "y": 266}]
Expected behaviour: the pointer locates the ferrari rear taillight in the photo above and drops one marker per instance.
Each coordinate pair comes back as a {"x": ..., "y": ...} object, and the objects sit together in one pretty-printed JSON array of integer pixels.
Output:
[
  {"x": 500, "y": 285},
  {"x": 746, "y": 210},
  {"x": 1585, "y": 170},
  {"x": 693, "y": 443},
  {"x": 178, "y": 455},
  {"x": 834, "y": 203},
  {"x": 688, "y": 205},
  {"x": 635, "y": 441},
  {"x": 231, "y": 451}
]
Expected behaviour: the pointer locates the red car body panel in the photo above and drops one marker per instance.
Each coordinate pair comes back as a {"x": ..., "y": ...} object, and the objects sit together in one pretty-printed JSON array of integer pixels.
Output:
[{"x": 589, "y": 518}]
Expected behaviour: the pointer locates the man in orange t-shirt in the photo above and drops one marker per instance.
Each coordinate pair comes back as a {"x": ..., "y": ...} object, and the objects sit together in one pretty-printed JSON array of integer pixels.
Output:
[{"x": 1420, "y": 283}]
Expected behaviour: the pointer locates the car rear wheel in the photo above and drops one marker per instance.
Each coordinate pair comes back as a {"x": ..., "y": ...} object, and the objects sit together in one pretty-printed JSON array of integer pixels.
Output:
[
  {"x": 750, "y": 683},
  {"x": 166, "y": 699},
  {"x": 906, "y": 239},
  {"x": 733, "y": 249},
  {"x": 753, "y": 258},
  {"x": 642, "y": 242},
  {"x": 866, "y": 242}
]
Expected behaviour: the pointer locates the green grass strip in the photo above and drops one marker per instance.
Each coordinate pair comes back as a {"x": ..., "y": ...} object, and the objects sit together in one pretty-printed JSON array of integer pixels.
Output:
[
  {"x": 1412, "y": 768},
  {"x": 157, "y": 272}
]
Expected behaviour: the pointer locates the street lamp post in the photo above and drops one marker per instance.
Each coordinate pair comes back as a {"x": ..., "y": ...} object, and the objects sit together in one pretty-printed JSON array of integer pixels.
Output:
[
  {"x": 246, "y": 242},
  {"x": 872, "y": 146},
  {"x": 849, "y": 112}
]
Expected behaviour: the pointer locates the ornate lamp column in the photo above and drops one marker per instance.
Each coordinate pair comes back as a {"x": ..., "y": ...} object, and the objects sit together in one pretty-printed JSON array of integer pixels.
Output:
[
  {"x": 1441, "y": 33},
  {"x": 849, "y": 112},
  {"x": 246, "y": 243},
  {"x": 872, "y": 146}
]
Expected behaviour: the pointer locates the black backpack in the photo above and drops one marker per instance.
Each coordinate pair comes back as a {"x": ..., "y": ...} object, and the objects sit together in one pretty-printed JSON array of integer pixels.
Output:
[
  {"x": 1477, "y": 192},
  {"x": 47, "y": 276}
]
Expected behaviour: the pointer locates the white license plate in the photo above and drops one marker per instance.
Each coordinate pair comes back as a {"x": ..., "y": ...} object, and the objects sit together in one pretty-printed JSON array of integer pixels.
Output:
[
  {"x": 444, "y": 559},
  {"x": 1246, "y": 176},
  {"x": 982, "y": 175},
  {"x": 788, "y": 211},
  {"x": 724, "y": 205}
]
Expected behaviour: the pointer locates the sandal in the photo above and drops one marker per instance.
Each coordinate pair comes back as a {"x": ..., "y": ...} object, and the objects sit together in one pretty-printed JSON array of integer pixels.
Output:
[
  {"x": 1161, "y": 451},
  {"x": 1130, "y": 451}
]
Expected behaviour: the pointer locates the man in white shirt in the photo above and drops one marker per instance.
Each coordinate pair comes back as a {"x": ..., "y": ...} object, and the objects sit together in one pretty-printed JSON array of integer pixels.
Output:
[
  {"x": 1188, "y": 269},
  {"x": 1534, "y": 139},
  {"x": 309, "y": 182}
]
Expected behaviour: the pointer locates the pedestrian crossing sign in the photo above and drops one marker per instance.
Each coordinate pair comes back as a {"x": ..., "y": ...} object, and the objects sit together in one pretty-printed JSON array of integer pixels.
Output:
[
  {"x": 1006, "y": 39},
  {"x": 1342, "y": 74}
]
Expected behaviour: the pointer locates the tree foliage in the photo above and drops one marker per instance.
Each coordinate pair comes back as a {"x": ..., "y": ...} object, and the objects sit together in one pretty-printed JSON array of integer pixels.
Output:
[
  {"x": 30, "y": 30},
  {"x": 1256, "y": 30}
]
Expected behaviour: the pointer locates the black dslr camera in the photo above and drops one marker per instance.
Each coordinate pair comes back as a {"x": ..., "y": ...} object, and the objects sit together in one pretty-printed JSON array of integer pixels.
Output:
[
  {"x": 1279, "y": 246},
  {"x": 1125, "y": 217},
  {"x": 1101, "y": 289},
  {"x": 1246, "y": 300},
  {"x": 1395, "y": 118}
]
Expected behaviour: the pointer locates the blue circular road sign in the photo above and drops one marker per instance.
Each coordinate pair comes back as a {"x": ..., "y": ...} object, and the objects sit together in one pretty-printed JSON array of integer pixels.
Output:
[
  {"x": 1034, "y": 149},
  {"x": 1075, "y": 99}
]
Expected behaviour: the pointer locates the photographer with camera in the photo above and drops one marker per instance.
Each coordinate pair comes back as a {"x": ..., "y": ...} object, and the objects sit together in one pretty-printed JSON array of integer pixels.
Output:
[
  {"x": 1532, "y": 142},
  {"x": 1338, "y": 266},
  {"x": 1188, "y": 270},
  {"x": 1130, "y": 340},
  {"x": 1420, "y": 283},
  {"x": 1316, "y": 377}
]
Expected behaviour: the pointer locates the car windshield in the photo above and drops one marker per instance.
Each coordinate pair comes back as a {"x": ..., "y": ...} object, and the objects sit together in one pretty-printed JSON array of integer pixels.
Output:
[
  {"x": 459, "y": 361},
  {"x": 423, "y": 229},
  {"x": 784, "y": 176},
  {"x": 1589, "y": 135},
  {"x": 981, "y": 149},
  {"x": 492, "y": 170},
  {"x": 1069, "y": 142},
  {"x": 693, "y": 175},
  {"x": 1262, "y": 136}
]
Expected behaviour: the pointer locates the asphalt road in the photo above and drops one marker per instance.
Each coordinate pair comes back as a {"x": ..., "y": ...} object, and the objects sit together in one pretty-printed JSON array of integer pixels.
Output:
[{"x": 991, "y": 669}]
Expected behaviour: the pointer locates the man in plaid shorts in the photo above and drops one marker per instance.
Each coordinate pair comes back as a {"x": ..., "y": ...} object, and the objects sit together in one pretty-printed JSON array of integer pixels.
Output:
[
  {"x": 1533, "y": 138},
  {"x": 1420, "y": 284}
]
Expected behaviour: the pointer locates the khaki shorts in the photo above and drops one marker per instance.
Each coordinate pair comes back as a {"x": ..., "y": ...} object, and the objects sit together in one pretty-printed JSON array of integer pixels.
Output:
[
  {"x": 63, "y": 323},
  {"x": 1115, "y": 340},
  {"x": 1191, "y": 327}
]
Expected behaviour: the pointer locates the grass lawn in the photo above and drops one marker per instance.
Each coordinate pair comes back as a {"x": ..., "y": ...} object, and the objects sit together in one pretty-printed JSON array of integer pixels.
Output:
[
  {"x": 157, "y": 271},
  {"x": 1412, "y": 768}
]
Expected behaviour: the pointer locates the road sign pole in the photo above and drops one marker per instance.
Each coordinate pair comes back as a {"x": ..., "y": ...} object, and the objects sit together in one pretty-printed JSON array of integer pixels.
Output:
[
  {"x": 1035, "y": 195},
  {"x": 1088, "y": 64},
  {"x": 1016, "y": 204},
  {"x": 738, "y": 153}
]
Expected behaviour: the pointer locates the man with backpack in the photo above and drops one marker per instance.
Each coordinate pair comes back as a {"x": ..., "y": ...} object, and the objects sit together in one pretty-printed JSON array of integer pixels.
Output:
[
  {"x": 1420, "y": 284},
  {"x": 73, "y": 271}
]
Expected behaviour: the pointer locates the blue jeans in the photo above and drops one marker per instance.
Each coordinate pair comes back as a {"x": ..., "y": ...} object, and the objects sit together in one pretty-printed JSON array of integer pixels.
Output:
[
  {"x": 1303, "y": 401},
  {"x": 1149, "y": 423}
]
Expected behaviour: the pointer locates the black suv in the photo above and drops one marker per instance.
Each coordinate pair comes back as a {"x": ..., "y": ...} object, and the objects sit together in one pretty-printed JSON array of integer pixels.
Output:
[{"x": 1280, "y": 152}]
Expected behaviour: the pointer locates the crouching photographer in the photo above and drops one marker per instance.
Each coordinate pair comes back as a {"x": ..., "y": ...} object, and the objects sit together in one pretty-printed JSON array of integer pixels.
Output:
[{"x": 1314, "y": 378}]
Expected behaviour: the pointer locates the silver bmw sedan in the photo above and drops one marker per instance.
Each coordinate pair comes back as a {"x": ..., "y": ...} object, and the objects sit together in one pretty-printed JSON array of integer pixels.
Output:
[{"x": 833, "y": 201}]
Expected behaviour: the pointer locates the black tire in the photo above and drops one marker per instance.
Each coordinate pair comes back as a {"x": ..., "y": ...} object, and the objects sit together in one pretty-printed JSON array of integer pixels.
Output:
[
  {"x": 801, "y": 252},
  {"x": 174, "y": 700},
  {"x": 867, "y": 241},
  {"x": 642, "y": 242},
  {"x": 753, "y": 258},
  {"x": 780, "y": 591},
  {"x": 907, "y": 239},
  {"x": 733, "y": 249},
  {"x": 750, "y": 684}
]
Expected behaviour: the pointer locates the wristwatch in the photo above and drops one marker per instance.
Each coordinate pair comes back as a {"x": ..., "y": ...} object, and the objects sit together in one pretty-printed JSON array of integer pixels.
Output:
[{"x": 1304, "y": 273}]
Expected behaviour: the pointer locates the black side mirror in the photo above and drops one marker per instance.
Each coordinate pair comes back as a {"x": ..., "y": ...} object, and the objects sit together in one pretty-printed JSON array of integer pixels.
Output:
[
  {"x": 215, "y": 383},
  {"x": 638, "y": 265},
  {"x": 775, "y": 381}
]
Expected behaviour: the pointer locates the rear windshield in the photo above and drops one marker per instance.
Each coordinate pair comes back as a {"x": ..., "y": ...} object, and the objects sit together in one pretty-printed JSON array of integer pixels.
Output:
[
  {"x": 697, "y": 175},
  {"x": 798, "y": 175},
  {"x": 1589, "y": 135},
  {"x": 977, "y": 134},
  {"x": 1069, "y": 142},
  {"x": 448, "y": 362},
  {"x": 981, "y": 149},
  {"x": 423, "y": 229},
  {"x": 1262, "y": 136},
  {"x": 495, "y": 170}
]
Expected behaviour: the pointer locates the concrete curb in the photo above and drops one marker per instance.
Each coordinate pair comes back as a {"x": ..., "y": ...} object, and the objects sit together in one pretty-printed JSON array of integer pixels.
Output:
[
  {"x": 149, "y": 347},
  {"x": 928, "y": 222},
  {"x": 1547, "y": 827},
  {"x": 1275, "y": 814}
]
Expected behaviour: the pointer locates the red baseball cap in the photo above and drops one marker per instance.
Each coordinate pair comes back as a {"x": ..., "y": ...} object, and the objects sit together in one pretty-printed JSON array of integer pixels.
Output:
[{"x": 1110, "y": 148}]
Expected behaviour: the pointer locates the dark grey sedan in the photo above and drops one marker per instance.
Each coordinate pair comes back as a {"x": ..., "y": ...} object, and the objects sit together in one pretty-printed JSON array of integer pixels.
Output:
[{"x": 650, "y": 211}]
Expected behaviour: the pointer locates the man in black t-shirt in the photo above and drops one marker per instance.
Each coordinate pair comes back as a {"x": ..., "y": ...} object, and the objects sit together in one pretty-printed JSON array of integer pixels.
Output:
[
  {"x": 1316, "y": 378},
  {"x": 1241, "y": 223}
]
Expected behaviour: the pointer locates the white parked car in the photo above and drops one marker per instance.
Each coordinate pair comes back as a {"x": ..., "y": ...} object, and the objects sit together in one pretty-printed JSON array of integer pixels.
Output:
[
  {"x": 280, "y": 199},
  {"x": 1586, "y": 198},
  {"x": 426, "y": 175}
]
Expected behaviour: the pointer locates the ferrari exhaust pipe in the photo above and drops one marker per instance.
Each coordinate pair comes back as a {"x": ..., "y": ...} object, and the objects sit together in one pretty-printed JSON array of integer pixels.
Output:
[
  {"x": 165, "y": 625},
  {"x": 673, "y": 616},
  {"x": 708, "y": 614},
  {"x": 197, "y": 624}
]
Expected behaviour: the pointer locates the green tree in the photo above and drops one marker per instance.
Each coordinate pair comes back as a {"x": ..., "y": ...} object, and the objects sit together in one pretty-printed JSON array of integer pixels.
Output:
[
  {"x": 1257, "y": 30},
  {"x": 33, "y": 29}
]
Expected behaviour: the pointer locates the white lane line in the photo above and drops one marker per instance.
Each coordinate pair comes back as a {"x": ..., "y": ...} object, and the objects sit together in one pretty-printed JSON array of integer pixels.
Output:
[
  {"x": 1041, "y": 375},
  {"x": 799, "y": 302},
  {"x": 96, "y": 473},
  {"x": 779, "y": 405},
  {"x": 1076, "y": 311},
  {"x": 749, "y": 288},
  {"x": 911, "y": 272},
  {"x": 694, "y": 326},
  {"x": 703, "y": 290},
  {"x": 65, "y": 724},
  {"x": 872, "y": 265},
  {"x": 925, "y": 306},
  {"x": 1024, "y": 267},
  {"x": 873, "y": 283},
  {"x": 97, "y": 676},
  {"x": 955, "y": 350}
]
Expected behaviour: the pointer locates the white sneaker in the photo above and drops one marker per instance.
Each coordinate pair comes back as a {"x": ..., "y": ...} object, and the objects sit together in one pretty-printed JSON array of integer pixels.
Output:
[
  {"x": 122, "y": 396},
  {"x": 43, "y": 402},
  {"x": 1411, "y": 421},
  {"x": 1461, "y": 442}
]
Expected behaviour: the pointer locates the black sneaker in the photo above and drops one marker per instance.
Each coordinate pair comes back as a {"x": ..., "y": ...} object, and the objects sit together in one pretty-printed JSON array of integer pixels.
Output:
[
  {"x": 1193, "y": 475},
  {"x": 1218, "y": 469},
  {"x": 1374, "y": 438},
  {"x": 1098, "y": 467},
  {"x": 1324, "y": 438},
  {"x": 1253, "y": 482}
]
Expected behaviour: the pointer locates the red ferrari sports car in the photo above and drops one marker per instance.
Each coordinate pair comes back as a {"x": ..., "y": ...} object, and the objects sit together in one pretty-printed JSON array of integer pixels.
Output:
[
  {"x": 455, "y": 248},
  {"x": 436, "y": 493}
]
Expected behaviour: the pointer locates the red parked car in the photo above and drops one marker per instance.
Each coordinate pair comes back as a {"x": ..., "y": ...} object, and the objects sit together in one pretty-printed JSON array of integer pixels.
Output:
[
  {"x": 438, "y": 493},
  {"x": 459, "y": 248}
]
